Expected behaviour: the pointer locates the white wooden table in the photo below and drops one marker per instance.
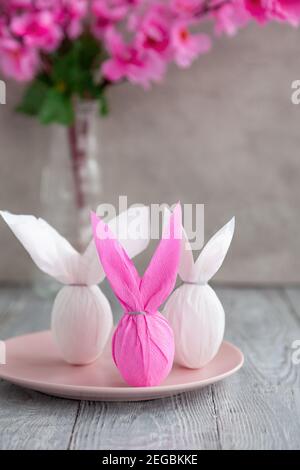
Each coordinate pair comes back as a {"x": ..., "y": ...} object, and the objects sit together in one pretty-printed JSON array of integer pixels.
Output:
[{"x": 258, "y": 408}]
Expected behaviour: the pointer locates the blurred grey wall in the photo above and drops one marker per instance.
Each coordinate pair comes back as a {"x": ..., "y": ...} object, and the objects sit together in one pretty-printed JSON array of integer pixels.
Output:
[{"x": 224, "y": 133}]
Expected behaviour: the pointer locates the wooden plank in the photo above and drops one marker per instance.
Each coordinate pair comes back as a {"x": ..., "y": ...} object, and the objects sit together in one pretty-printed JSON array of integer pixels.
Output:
[
  {"x": 186, "y": 421},
  {"x": 30, "y": 420},
  {"x": 258, "y": 408},
  {"x": 21, "y": 312},
  {"x": 292, "y": 296},
  {"x": 7, "y": 297},
  {"x": 182, "y": 422}
]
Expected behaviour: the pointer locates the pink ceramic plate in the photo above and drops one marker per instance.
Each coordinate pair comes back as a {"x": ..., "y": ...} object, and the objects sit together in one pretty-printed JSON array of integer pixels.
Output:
[{"x": 33, "y": 361}]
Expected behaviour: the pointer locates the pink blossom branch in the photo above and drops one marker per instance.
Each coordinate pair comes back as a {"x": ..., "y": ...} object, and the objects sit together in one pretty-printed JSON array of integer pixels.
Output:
[
  {"x": 161, "y": 28},
  {"x": 208, "y": 8}
]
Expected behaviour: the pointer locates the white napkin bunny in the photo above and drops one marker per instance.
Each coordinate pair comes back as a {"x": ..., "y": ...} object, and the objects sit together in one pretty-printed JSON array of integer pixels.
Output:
[
  {"x": 81, "y": 315},
  {"x": 193, "y": 310}
]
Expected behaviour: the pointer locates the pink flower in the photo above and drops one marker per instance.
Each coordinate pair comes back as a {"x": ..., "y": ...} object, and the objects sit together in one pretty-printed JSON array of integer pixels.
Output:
[
  {"x": 187, "y": 8},
  {"x": 51, "y": 4},
  {"x": 38, "y": 30},
  {"x": 16, "y": 4},
  {"x": 280, "y": 10},
  {"x": 18, "y": 61},
  {"x": 186, "y": 46},
  {"x": 230, "y": 17},
  {"x": 153, "y": 32},
  {"x": 290, "y": 10},
  {"x": 127, "y": 61},
  {"x": 260, "y": 9},
  {"x": 4, "y": 32},
  {"x": 70, "y": 14},
  {"x": 107, "y": 13}
]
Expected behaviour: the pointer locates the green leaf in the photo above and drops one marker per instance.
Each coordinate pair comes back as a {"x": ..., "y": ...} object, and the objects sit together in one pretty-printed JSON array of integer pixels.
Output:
[
  {"x": 73, "y": 72},
  {"x": 89, "y": 51},
  {"x": 103, "y": 105},
  {"x": 74, "y": 67},
  {"x": 33, "y": 98},
  {"x": 57, "y": 108}
]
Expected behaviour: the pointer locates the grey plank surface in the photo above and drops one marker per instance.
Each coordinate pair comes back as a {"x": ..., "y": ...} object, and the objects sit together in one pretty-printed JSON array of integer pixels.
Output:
[
  {"x": 30, "y": 420},
  {"x": 258, "y": 408}
]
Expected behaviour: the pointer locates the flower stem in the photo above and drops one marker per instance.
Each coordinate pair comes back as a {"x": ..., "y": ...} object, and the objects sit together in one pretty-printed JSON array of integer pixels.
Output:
[
  {"x": 207, "y": 8},
  {"x": 77, "y": 160}
]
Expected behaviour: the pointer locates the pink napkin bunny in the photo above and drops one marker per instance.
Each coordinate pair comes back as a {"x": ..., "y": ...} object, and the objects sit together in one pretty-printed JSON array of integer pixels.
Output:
[{"x": 143, "y": 343}]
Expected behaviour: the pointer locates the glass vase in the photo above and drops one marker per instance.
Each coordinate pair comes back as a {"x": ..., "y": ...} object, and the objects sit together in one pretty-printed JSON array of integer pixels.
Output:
[{"x": 71, "y": 181}]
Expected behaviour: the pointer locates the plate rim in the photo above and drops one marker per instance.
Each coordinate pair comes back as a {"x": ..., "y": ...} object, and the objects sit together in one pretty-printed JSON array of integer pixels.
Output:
[{"x": 120, "y": 391}]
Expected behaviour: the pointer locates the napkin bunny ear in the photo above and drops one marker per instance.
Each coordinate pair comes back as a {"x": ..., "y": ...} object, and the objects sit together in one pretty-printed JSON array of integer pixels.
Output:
[
  {"x": 186, "y": 263},
  {"x": 134, "y": 294},
  {"x": 213, "y": 254},
  {"x": 55, "y": 256},
  {"x": 160, "y": 276},
  {"x": 44, "y": 244},
  {"x": 120, "y": 270},
  {"x": 90, "y": 266}
]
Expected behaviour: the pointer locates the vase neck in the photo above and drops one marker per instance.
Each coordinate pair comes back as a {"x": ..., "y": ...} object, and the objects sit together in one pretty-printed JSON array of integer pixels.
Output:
[{"x": 82, "y": 137}]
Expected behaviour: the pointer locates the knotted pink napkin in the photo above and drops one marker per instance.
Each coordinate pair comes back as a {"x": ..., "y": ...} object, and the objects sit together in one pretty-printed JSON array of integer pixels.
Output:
[{"x": 143, "y": 343}]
